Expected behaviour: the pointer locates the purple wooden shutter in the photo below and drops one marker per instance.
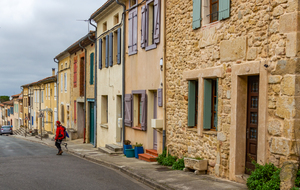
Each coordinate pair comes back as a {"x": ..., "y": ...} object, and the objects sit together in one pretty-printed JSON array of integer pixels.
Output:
[
  {"x": 100, "y": 54},
  {"x": 128, "y": 113},
  {"x": 119, "y": 47},
  {"x": 111, "y": 37},
  {"x": 134, "y": 37},
  {"x": 144, "y": 111},
  {"x": 143, "y": 27},
  {"x": 156, "y": 21},
  {"x": 130, "y": 31},
  {"x": 106, "y": 51},
  {"x": 160, "y": 97}
]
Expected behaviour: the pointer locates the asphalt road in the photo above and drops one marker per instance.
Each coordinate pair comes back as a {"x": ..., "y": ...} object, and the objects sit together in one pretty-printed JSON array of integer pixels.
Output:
[{"x": 27, "y": 165}]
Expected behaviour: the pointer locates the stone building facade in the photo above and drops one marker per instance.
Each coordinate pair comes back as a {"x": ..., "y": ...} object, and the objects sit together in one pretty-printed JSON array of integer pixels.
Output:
[{"x": 258, "y": 41}]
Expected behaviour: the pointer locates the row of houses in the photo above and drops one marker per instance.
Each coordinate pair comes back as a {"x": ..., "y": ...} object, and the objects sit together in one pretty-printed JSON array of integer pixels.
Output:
[{"x": 212, "y": 79}]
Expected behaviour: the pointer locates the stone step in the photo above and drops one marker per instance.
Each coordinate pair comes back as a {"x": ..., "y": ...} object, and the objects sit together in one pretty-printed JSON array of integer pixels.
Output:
[
  {"x": 114, "y": 147},
  {"x": 147, "y": 157},
  {"x": 152, "y": 152},
  {"x": 108, "y": 151}
]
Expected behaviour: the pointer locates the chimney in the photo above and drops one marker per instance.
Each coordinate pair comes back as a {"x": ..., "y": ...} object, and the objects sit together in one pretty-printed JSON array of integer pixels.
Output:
[{"x": 53, "y": 71}]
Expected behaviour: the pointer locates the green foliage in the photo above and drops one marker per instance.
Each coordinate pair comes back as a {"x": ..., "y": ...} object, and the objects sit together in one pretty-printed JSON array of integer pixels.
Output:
[
  {"x": 127, "y": 142},
  {"x": 4, "y": 98},
  {"x": 137, "y": 145},
  {"x": 179, "y": 164},
  {"x": 165, "y": 160},
  {"x": 264, "y": 177},
  {"x": 297, "y": 181},
  {"x": 295, "y": 188}
]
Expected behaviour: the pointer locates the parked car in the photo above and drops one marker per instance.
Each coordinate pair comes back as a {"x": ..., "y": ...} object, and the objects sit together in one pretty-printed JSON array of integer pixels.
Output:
[{"x": 6, "y": 129}]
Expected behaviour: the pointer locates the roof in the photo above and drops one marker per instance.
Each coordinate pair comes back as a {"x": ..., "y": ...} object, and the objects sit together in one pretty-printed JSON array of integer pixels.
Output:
[
  {"x": 10, "y": 102},
  {"x": 16, "y": 95},
  {"x": 45, "y": 80},
  {"x": 1, "y": 105},
  {"x": 104, "y": 6}
]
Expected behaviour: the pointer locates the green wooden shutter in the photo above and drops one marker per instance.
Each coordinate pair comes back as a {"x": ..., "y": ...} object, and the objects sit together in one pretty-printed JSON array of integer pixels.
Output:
[
  {"x": 191, "y": 103},
  {"x": 92, "y": 68},
  {"x": 196, "y": 14},
  {"x": 207, "y": 104},
  {"x": 216, "y": 118},
  {"x": 224, "y": 9}
]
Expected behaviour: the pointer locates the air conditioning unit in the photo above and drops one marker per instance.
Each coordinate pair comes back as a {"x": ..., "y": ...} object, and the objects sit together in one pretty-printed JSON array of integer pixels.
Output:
[
  {"x": 120, "y": 122},
  {"x": 157, "y": 123}
]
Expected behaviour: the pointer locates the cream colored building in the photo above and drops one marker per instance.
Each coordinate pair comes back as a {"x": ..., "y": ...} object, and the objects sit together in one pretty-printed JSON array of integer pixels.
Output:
[
  {"x": 109, "y": 73},
  {"x": 26, "y": 101}
]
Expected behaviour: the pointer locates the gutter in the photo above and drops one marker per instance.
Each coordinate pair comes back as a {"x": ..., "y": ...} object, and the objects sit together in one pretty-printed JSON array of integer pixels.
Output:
[
  {"x": 123, "y": 71},
  {"x": 164, "y": 83}
]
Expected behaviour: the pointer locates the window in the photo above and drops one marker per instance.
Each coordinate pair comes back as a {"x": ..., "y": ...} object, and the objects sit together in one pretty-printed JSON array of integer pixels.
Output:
[
  {"x": 104, "y": 26},
  {"x": 103, "y": 55},
  {"x": 46, "y": 91},
  {"x": 210, "y": 114},
  {"x": 115, "y": 47},
  {"x": 62, "y": 114},
  {"x": 61, "y": 66},
  {"x": 42, "y": 98},
  {"x": 132, "y": 3},
  {"x": 54, "y": 91},
  {"x": 213, "y": 10},
  {"x": 116, "y": 19},
  {"x": 66, "y": 65},
  {"x": 193, "y": 103},
  {"x": 61, "y": 83},
  {"x": 150, "y": 26},
  {"x": 92, "y": 68},
  {"x": 104, "y": 109},
  {"x": 66, "y": 82},
  {"x": 132, "y": 32},
  {"x": 136, "y": 109},
  {"x": 75, "y": 72}
]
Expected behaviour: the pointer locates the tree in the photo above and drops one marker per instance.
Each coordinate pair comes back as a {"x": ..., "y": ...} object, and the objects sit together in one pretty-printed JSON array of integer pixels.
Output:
[{"x": 4, "y": 98}]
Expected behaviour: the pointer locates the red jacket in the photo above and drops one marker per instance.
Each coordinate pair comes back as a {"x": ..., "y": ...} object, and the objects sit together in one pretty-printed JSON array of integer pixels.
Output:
[{"x": 59, "y": 133}]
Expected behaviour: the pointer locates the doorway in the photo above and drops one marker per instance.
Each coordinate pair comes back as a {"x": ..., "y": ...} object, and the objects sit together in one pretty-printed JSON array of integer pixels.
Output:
[
  {"x": 92, "y": 122},
  {"x": 155, "y": 117}
]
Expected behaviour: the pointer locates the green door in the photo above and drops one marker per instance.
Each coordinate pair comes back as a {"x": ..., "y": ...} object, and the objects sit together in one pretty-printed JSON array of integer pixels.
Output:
[{"x": 92, "y": 123}]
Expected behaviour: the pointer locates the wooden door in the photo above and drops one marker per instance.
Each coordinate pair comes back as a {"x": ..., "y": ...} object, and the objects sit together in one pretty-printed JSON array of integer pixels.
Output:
[
  {"x": 155, "y": 117},
  {"x": 252, "y": 122},
  {"x": 92, "y": 123}
]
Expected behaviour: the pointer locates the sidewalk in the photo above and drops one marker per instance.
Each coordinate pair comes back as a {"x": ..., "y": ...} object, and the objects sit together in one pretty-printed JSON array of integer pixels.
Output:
[{"x": 149, "y": 173}]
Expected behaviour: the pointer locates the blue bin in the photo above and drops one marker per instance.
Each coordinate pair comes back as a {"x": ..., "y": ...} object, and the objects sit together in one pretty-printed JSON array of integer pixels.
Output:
[
  {"x": 138, "y": 150},
  {"x": 129, "y": 153},
  {"x": 126, "y": 147}
]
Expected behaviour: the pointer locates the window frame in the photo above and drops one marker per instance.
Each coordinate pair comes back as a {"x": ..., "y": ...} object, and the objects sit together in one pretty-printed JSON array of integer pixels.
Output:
[
  {"x": 141, "y": 94},
  {"x": 211, "y": 13},
  {"x": 213, "y": 106}
]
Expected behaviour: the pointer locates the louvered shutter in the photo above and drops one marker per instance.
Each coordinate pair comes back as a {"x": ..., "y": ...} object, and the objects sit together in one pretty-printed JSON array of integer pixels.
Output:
[
  {"x": 130, "y": 24},
  {"x": 111, "y": 49},
  {"x": 156, "y": 21},
  {"x": 119, "y": 47},
  {"x": 128, "y": 112},
  {"x": 144, "y": 111},
  {"x": 135, "y": 26},
  {"x": 75, "y": 72},
  {"x": 192, "y": 103},
  {"x": 92, "y": 68},
  {"x": 196, "y": 14},
  {"x": 107, "y": 51},
  {"x": 224, "y": 9},
  {"x": 12, "y": 110},
  {"x": 143, "y": 27},
  {"x": 160, "y": 97},
  {"x": 100, "y": 53},
  {"x": 216, "y": 106},
  {"x": 207, "y": 104},
  {"x": 8, "y": 112}
]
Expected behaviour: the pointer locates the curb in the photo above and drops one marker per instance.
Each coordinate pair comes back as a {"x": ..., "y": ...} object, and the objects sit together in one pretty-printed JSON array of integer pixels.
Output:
[{"x": 123, "y": 169}]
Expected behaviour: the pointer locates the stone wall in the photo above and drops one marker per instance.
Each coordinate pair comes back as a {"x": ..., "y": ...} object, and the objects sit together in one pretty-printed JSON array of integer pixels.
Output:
[{"x": 256, "y": 31}]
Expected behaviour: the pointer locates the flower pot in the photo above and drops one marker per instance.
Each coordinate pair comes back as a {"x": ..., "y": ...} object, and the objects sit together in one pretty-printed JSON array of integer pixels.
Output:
[
  {"x": 200, "y": 165},
  {"x": 129, "y": 153},
  {"x": 138, "y": 150},
  {"x": 126, "y": 147}
]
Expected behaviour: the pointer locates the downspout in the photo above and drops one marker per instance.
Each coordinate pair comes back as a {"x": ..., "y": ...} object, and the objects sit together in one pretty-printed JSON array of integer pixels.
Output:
[
  {"x": 164, "y": 76},
  {"x": 57, "y": 84},
  {"x": 95, "y": 88},
  {"x": 123, "y": 70},
  {"x": 84, "y": 118}
]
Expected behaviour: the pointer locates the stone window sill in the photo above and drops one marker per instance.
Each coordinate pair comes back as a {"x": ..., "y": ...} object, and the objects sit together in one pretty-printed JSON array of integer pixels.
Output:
[
  {"x": 210, "y": 132},
  {"x": 104, "y": 125},
  {"x": 137, "y": 128},
  {"x": 192, "y": 129}
]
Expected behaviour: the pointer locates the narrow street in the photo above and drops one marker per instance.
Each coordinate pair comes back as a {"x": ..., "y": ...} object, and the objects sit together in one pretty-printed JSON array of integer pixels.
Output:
[{"x": 28, "y": 165}]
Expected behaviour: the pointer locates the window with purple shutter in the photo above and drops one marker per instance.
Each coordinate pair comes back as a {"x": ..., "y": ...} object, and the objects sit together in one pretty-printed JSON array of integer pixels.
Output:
[
  {"x": 144, "y": 111},
  {"x": 139, "y": 106},
  {"x": 128, "y": 112},
  {"x": 143, "y": 27},
  {"x": 156, "y": 21},
  {"x": 134, "y": 31}
]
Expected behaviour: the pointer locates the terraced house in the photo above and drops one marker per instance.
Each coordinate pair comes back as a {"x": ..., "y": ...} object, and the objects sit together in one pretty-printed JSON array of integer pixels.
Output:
[{"x": 232, "y": 83}]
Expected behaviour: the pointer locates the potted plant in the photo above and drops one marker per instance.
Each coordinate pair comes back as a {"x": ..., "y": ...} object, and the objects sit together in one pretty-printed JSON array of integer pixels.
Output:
[
  {"x": 126, "y": 145},
  {"x": 197, "y": 164},
  {"x": 138, "y": 149}
]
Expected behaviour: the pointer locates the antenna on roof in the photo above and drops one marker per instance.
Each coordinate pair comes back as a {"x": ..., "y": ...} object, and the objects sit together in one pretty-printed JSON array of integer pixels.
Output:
[{"x": 87, "y": 22}]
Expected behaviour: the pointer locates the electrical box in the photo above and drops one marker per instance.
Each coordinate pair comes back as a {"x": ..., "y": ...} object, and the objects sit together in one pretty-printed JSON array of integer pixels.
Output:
[
  {"x": 120, "y": 122},
  {"x": 157, "y": 123}
]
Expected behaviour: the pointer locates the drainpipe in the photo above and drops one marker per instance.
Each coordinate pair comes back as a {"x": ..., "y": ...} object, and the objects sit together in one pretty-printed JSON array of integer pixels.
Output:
[
  {"x": 164, "y": 76},
  {"x": 84, "y": 105},
  {"x": 95, "y": 88},
  {"x": 123, "y": 71},
  {"x": 57, "y": 84}
]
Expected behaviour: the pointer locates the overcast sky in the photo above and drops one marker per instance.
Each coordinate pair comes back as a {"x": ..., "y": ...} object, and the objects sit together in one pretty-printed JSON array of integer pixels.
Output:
[{"x": 33, "y": 32}]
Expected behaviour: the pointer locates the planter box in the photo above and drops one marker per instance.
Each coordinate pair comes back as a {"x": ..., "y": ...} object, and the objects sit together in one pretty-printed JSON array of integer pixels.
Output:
[
  {"x": 137, "y": 151},
  {"x": 129, "y": 153},
  {"x": 194, "y": 164},
  {"x": 126, "y": 147}
]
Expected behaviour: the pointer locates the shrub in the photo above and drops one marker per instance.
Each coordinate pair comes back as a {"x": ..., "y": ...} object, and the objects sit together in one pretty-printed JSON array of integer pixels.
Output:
[
  {"x": 179, "y": 164},
  {"x": 162, "y": 159},
  {"x": 264, "y": 177},
  {"x": 297, "y": 181}
]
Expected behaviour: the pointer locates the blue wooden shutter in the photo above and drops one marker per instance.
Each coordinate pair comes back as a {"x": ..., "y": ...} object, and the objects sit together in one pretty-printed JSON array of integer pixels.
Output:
[
  {"x": 92, "y": 68},
  {"x": 144, "y": 110},
  {"x": 8, "y": 112},
  {"x": 12, "y": 110},
  {"x": 111, "y": 38},
  {"x": 192, "y": 104},
  {"x": 224, "y": 9},
  {"x": 143, "y": 27},
  {"x": 119, "y": 47},
  {"x": 100, "y": 54},
  {"x": 207, "y": 104},
  {"x": 106, "y": 51},
  {"x": 160, "y": 97},
  {"x": 128, "y": 112},
  {"x": 156, "y": 21},
  {"x": 196, "y": 14}
]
